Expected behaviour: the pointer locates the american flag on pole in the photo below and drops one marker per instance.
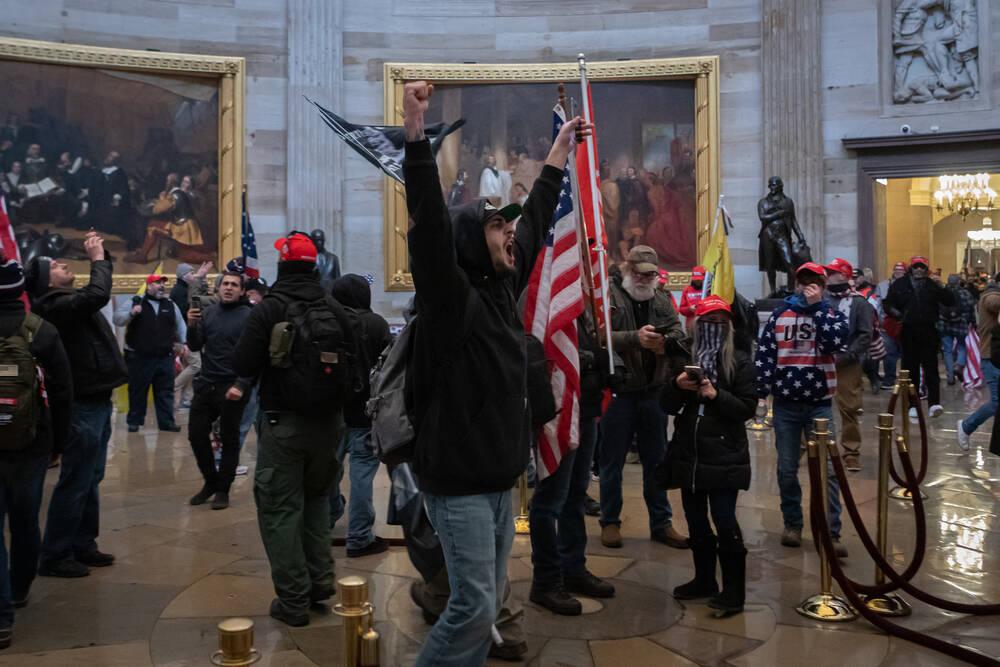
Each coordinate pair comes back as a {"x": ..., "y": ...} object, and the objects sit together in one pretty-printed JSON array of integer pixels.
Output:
[
  {"x": 554, "y": 301},
  {"x": 250, "y": 267},
  {"x": 972, "y": 374},
  {"x": 8, "y": 242}
]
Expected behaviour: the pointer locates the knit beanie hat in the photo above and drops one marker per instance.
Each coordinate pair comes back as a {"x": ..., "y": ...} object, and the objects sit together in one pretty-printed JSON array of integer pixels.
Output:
[
  {"x": 183, "y": 269},
  {"x": 11, "y": 280},
  {"x": 36, "y": 278}
]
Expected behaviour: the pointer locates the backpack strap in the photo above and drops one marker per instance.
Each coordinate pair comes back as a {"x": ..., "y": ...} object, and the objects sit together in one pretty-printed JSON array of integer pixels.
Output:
[{"x": 30, "y": 326}]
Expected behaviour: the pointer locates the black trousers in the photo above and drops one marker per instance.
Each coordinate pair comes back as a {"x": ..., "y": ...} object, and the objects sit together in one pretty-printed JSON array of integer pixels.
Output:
[
  {"x": 209, "y": 403},
  {"x": 143, "y": 372},
  {"x": 920, "y": 351}
]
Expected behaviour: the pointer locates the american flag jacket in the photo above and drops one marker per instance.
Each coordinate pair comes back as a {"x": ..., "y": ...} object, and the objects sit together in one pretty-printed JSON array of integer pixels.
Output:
[{"x": 795, "y": 354}]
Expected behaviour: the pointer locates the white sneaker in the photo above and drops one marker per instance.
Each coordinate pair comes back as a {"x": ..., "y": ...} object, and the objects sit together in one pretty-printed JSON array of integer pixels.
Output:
[
  {"x": 963, "y": 438},
  {"x": 913, "y": 413},
  {"x": 241, "y": 470},
  {"x": 936, "y": 410}
]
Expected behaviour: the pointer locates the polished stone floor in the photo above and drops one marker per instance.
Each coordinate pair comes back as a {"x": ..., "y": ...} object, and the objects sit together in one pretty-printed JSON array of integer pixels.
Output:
[{"x": 182, "y": 569}]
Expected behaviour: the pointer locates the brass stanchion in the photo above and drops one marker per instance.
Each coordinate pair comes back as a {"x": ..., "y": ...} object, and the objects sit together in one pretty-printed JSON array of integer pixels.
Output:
[
  {"x": 522, "y": 526},
  {"x": 360, "y": 637},
  {"x": 888, "y": 604},
  {"x": 903, "y": 388},
  {"x": 825, "y": 606},
  {"x": 235, "y": 644}
]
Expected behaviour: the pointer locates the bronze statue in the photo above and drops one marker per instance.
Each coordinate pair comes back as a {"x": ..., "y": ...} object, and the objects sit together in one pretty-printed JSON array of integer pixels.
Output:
[
  {"x": 327, "y": 263},
  {"x": 778, "y": 223}
]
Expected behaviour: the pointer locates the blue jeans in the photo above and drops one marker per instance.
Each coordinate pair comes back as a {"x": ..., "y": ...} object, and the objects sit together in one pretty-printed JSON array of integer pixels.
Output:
[
  {"x": 892, "y": 353},
  {"x": 953, "y": 349},
  {"x": 476, "y": 534},
  {"x": 559, "y": 499},
  {"x": 74, "y": 510},
  {"x": 633, "y": 414},
  {"x": 361, "y": 509},
  {"x": 792, "y": 423},
  {"x": 988, "y": 409},
  {"x": 143, "y": 372},
  {"x": 249, "y": 415},
  {"x": 21, "y": 483}
]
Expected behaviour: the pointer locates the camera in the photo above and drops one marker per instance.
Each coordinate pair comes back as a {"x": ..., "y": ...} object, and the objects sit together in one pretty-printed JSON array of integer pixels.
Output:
[{"x": 905, "y": 129}]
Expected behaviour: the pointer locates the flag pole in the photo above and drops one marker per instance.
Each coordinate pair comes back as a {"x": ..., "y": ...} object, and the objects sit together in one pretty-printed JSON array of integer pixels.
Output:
[
  {"x": 602, "y": 259},
  {"x": 709, "y": 274},
  {"x": 583, "y": 243}
]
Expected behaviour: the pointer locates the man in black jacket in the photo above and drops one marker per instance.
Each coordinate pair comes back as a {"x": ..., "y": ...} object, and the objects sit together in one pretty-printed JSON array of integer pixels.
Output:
[
  {"x": 98, "y": 368},
  {"x": 23, "y": 464},
  {"x": 218, "y": 392},
  {"x": 915, "y": 300},
  {"x": 469, "y": 375},
  {"x": 354, "y": 292},
  {"x": 296, "y": 462}
]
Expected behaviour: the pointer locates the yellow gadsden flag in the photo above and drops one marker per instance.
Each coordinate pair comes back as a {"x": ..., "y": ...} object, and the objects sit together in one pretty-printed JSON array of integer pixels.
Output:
[
  {"x": 157, "y": 271},
  {"x": 719, "y": 267}
]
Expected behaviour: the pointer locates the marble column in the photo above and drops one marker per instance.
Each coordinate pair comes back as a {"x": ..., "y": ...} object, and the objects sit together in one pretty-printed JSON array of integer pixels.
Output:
[
  {"x": 793, "y": 140},
  {"x": 315, "y": 154}
]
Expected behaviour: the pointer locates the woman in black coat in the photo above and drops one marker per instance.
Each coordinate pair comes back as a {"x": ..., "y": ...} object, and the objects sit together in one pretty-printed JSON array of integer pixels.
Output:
[{"x": 709, "y": 458}]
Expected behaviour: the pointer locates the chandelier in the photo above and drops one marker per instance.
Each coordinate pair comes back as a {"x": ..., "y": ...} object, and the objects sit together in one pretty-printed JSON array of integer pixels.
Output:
[{"x": 965, "y": 193}]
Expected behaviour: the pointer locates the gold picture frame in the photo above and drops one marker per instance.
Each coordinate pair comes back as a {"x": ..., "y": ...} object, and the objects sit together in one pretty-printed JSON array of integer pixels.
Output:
[
  {"x": 229, "y": 76},
  {"x": 703, "y": 70}
]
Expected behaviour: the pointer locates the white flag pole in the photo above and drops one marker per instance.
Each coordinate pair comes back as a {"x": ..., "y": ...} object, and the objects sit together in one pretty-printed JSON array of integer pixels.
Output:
[{"x": 602, "y": 260}]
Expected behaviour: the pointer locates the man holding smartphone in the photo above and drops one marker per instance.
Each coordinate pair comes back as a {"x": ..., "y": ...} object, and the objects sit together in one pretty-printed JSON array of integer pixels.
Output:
[{"x": 643, "y": 319}]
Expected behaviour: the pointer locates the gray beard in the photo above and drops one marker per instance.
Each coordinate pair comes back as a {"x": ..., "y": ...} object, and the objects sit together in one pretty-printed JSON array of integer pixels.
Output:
[{"x": 636, "y": 291}]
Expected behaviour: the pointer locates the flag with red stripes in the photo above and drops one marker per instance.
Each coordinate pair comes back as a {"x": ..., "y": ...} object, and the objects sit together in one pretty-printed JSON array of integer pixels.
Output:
[
  {"x": 972, "y": 374},
  {"x": 8, "y": 242},
  {"x": 585, "y": 183},
  {"x": 554, "y": 301}
]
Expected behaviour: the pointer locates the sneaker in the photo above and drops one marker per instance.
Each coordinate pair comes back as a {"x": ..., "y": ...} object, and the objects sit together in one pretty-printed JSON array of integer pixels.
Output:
[
  {"x": 557, "y": 600},
  {"x": 936, "y": 410},
  {"x": 852, "y": 463},
  {"x": 963, "y": 437},
  {"x": 913, "y": 413},
  {"x": 220, "y": 501},
  {"x": 295, "y": 619},
  {"x": 133, "y": 428},
  {"x": 591, "y": 507},
  {"x": 588, "y": 585},
  {"x": 791, "y": 537},
  {"x": 19, "y": 601},
  {"x": 6, "y": 634},
  {"x": 839, "y": 548},
  {"x": 202, "y": 496},
  {"x": 416, "y": 594},
  {"x": 667, "y": 535},
  {"x": 67, "y": 568},
  {"x": 611, "y": 536},
  {"x": 94, "y": 558},
  {"x": 888, "y": 387},
  {"x": 171, "y": 428},
  {"x": 508, "y": 652},
  {"x": 377, "y": 546},
  {"x": 242, "y": 470}
]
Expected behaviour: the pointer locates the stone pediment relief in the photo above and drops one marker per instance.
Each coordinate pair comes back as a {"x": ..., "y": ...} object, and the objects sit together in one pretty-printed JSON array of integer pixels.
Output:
[{"x": 935, "y": 51}]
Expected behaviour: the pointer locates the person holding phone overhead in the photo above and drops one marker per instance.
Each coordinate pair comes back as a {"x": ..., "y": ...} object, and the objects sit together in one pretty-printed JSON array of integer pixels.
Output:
[
  {"x": 646, "y": 335},
  {"x": 709, "y": 456}
]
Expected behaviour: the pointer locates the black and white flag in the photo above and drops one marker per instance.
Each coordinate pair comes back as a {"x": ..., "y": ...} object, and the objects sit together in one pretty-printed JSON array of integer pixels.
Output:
[{"x": 382, "y": 145}]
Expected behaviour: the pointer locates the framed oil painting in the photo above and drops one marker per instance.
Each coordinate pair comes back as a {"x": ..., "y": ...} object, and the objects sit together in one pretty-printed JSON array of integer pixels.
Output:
[
  {"x": 657, "y": 129},
  {"x": 144, "y": 147}
]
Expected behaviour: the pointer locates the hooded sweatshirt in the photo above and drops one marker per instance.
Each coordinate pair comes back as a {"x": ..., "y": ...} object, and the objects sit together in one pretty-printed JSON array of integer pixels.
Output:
[
  {"x": 215, "y": 336},
  {"x": 796, "y": 353},
  {"x": 469, "y": 365},
  {"x": 353, "y": 291}
]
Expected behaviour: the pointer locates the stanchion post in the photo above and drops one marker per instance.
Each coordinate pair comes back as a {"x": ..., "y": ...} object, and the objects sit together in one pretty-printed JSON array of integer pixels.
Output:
[
  {"x": 825, "y": 606},
  {"x": 887, "y": 604},
  {"x": 522, "y": 526},
  {"x": 904, "y": 386},
  {"x": 360, "y": 637},
  {"x": 235, "y": 644}
]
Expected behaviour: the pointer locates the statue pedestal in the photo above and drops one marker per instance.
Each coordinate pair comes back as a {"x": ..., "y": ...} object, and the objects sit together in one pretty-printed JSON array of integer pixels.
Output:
[{"x": 764, "y": 309}]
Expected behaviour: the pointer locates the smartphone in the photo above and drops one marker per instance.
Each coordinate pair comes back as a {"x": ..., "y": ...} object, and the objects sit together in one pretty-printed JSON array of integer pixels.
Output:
[
  {"x": 695, "y": 373},
  {"x": 663, "y": 329},
  {"x": 196, "y": 302}
]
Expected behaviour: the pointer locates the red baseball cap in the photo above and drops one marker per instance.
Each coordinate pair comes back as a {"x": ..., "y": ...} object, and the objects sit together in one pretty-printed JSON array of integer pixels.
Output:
[
  {"x": 710, "y": 304},
  {"x": 697, "y": 273},
  {"x": 841, "y": 266},
  {"x": 919, "y": 259},
  {"x": 811, "y": 267},
  {"x": 296, "y": 247},
  {"x": 663, "y": 276},
  {"x": 899, "y": 265},
  {"x": 155, "y": 278}
]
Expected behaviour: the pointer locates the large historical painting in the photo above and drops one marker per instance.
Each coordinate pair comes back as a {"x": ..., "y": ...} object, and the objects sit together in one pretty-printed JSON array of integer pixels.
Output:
[
  {"x": 647, "y": 129},
  {"x": 131, "y": 153},
  {"x": 935, "y": 50}
]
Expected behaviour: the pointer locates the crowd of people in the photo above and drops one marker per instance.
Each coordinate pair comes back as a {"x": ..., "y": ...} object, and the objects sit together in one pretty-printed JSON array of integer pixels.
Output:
[{"x": 293, "y": 360}]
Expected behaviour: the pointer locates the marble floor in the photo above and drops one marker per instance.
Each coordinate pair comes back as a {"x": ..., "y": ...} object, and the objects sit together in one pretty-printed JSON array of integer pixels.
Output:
[{"x": 182, "y": 569}]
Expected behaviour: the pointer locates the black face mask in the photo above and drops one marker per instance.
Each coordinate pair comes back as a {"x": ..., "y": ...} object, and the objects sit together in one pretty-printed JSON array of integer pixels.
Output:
[
  {"x": 696, "y": 284},
  {"x": 839, "y": 290}
]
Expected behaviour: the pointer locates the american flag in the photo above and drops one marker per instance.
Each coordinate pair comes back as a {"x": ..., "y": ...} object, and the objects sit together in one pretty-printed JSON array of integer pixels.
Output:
[
  {"x": 972, "y": 374},
  {"x": 250, "y": 266},
  {"x": 8, "y": 242},
  {"x": 554, "y": 301}
]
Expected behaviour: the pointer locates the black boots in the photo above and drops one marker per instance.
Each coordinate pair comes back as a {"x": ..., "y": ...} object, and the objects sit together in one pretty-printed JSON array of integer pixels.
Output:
[
  {"x": 733, "y": 561},
  {"x": 703, "y": 585}
]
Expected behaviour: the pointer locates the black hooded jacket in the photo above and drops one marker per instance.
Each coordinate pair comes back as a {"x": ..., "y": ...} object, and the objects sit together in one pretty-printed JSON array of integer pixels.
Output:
[
  {"x": 96, "y": 360},
  {"x": 353, "y": 291},
  {"x": 469, "y": 369}
]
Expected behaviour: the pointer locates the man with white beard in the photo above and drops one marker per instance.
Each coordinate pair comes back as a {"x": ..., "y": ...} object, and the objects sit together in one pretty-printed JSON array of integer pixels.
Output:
[{"x": 643, "y": 319}]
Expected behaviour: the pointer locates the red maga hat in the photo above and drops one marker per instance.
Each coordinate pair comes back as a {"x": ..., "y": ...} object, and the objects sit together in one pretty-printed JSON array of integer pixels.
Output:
[
  {"x": 841, "y": 266},
  {"x": 296, "y": 247},
  {"x": 698, "y": 273},
  {"x": 811, "y": 267},
  {"x": 155, "y": 278},
  {"x": 712, "y": 303},
  {"x": 919, "y": 259}
]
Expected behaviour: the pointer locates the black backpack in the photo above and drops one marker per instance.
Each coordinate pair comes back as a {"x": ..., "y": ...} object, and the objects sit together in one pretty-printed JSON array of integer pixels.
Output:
[
  {"x": 20, "y": 387},
  {"x": 318, "y": 350},
  {"x": 952, "y": 313}
]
